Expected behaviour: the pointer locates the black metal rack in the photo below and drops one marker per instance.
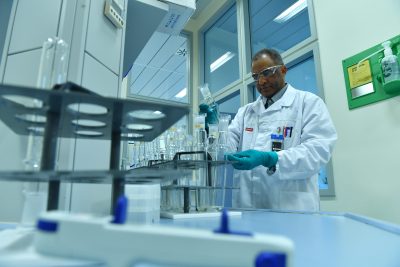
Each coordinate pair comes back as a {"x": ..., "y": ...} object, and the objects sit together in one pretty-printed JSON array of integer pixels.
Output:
[
  {"x": 191, "y": 160},
  {"x": 62, "y": 111}
]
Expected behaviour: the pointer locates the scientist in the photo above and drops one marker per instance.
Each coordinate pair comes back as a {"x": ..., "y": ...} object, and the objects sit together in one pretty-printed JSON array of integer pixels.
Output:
[{"x": 283, "y": 139}]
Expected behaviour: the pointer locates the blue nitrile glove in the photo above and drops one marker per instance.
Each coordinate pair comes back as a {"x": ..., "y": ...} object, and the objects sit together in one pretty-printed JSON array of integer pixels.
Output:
[
  {"x": 211, "y": 112},
  {"x": 248, "y": 159}
]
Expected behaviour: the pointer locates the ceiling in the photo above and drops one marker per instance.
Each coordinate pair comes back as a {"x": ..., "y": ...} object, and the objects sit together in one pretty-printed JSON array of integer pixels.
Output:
[{"x": 160, "y": 70}]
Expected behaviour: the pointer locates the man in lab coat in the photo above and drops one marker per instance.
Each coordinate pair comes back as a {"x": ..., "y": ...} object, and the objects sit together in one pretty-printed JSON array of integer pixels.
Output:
[{"x": 283, "y": 139}]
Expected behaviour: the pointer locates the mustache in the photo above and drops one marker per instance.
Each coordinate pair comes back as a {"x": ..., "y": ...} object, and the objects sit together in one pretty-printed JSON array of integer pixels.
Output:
[{"x": 261, "y": 87}]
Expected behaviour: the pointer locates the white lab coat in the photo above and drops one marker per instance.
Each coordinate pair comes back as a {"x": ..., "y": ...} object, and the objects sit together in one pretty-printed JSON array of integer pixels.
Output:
[{"x": 294, "y": 185}]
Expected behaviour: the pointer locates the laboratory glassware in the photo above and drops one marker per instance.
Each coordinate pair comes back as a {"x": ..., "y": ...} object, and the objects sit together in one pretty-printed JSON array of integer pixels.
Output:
[
  {"x": 52, "y": 70},
  {"x": 209, "y": 100}
]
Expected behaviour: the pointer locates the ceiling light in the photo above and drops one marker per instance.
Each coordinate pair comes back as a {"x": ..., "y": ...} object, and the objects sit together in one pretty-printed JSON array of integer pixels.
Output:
[
  {"x": 182, "y": 93},
  {"x": 291, "y": 11},
  {"x": 221, "y": 61}
]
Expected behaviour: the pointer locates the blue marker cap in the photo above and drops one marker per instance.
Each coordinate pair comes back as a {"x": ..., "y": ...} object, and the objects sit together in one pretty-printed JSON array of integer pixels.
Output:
[
  {"x": 121, "y": 210},
  {"x": 270, "y": 259}
]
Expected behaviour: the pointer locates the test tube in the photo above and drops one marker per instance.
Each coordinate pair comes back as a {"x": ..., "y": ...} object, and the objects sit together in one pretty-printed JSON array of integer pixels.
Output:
[{"x": 52, "y": 70}]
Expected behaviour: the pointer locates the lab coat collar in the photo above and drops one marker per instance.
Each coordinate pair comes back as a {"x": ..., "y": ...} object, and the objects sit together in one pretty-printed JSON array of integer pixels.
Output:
[{"x": 285, "y": 101}]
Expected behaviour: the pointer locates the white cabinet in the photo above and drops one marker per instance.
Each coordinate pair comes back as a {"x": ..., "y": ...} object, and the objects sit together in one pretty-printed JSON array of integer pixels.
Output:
[
  {"x": 34, "y": 22},
  {"x": 104, "y": 40},
  {"x": 94, "y": 154},
  {"x": 23, "y": 68}
]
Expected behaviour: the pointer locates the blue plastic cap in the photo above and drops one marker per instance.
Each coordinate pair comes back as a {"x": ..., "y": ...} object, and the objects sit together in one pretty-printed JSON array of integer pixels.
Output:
[
  {"x": 47, "y": 226},
  {"x": 121, "y": 210},
  {"x": 224, "y": 227},
  {"x": 270, "y": 259}
]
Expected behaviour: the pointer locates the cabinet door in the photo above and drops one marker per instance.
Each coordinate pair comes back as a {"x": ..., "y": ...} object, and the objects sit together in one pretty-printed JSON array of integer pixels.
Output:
[
  {"x": 98, "y": 78},
  {"x": 23, "y": 68},
  {"x": 34, "y": 22},
  {"x": 94, "y": 154},
  {"x": 104, "y": 40},
  {"x": 5, "y": 11}
]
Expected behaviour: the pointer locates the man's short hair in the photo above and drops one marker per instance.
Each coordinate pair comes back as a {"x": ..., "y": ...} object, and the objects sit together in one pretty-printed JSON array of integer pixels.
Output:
[{"x": 272, "y": 53}]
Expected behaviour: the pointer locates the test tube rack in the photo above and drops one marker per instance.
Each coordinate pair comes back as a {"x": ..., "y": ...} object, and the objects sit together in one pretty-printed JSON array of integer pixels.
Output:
[{"x": 61, "y": 113}]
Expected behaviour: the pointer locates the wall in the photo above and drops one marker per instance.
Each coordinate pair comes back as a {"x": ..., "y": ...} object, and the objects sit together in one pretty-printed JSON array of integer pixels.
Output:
[{"x": 365, "y": 158}]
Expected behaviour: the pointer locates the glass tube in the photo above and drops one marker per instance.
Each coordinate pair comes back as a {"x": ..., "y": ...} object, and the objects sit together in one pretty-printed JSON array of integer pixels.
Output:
[
  {"x": 53, "y": 69},
  {"x": 223, "y": 149}
]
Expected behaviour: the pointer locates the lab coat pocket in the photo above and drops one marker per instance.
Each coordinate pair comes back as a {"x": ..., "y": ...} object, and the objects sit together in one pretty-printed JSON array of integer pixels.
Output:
[
  {"x": 287, "y": 129},
  {"x": 291, "y": 136}
]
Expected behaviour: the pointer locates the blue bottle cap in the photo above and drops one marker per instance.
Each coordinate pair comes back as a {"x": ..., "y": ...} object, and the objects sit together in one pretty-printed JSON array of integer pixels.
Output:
[
  {"x": 270, "y": 259},
  {"x": 121, "y": 210},
  {"x": 47, "y": 226}
]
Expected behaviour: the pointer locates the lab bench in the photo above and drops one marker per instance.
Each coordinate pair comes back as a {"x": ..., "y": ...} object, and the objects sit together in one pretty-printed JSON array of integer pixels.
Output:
[{"x": 320, "y": 239}]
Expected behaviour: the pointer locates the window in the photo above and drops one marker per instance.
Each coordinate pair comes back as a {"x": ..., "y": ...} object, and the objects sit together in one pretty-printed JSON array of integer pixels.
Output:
[
  {"x": 288, "y": 27},
  {"x": 278, "y": 24},
  {"x": 301, "y": 74},
  {"x": 161, "y": 69},
  {"x": 221, "y": 58},
  {"x": 230, "y": 104}
]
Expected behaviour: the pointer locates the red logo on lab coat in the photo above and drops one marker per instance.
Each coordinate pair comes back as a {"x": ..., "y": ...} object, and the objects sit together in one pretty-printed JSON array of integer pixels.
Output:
[{"x": 249, "y": 129}]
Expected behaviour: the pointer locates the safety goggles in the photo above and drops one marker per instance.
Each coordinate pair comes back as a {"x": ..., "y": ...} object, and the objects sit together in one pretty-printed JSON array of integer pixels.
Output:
[{"x": 268, "y": 72}]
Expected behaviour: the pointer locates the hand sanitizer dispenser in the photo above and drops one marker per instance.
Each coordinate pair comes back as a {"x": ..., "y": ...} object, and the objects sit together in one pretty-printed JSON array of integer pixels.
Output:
[{"x": 390, "y": 65}]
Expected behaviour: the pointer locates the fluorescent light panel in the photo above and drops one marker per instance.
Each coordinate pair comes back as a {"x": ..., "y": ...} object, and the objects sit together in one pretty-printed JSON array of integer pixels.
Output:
[
  {"x": 182, "y": 93},
  {"x": 221, "y": 61},
  {"x": 291, "y": 11}
]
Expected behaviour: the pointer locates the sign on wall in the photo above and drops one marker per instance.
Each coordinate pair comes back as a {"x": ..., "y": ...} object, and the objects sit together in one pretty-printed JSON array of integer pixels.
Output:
[{"x": 364, "y": 78}]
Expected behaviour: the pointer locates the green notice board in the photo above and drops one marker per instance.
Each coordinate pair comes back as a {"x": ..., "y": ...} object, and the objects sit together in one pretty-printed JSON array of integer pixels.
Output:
[{"x": 364, "y": 79}]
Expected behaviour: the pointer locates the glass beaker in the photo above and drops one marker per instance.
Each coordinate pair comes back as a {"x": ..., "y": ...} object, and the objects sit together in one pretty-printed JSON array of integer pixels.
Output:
[
  {"x": 200, "y": 135},
  {"x": 212, "y": 145},
  {"x": 224, "y": 120}
]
